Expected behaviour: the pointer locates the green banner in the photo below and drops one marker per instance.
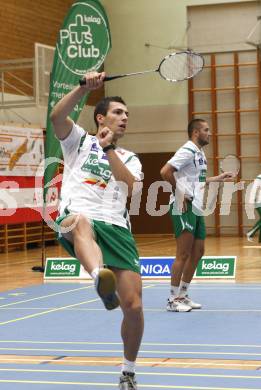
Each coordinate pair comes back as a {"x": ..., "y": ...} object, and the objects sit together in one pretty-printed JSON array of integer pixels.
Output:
[
  {"x": 62, "y": 268},
  {"x": 216, "y": 267},
  {"x": 82, "y": 45}
]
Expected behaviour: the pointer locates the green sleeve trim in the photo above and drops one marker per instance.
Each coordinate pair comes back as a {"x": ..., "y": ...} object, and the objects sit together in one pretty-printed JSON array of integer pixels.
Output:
[
  {"x": 81, "y": 142},
  {"x": 191, "y": 150},
  {"x": 128, "y": 159}
]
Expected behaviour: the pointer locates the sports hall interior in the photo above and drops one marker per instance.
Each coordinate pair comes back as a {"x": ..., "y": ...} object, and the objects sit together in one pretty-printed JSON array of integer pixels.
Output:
[{"x": 227, "y": 94}]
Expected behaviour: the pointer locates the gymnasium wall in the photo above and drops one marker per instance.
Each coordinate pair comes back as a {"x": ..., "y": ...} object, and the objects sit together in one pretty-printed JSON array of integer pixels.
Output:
[
  {"x": 24, "y": 22},
  {"x": 158, "y": 109}
]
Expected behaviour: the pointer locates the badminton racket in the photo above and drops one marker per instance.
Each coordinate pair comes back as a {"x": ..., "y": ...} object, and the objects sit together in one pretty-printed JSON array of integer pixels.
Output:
[
  {"x": 230, "y": 164},
  {"x": 174, "y": 67}
]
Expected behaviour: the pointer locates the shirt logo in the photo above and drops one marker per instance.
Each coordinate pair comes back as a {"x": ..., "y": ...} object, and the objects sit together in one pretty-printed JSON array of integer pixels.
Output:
[{"x": 94, "y": 147}]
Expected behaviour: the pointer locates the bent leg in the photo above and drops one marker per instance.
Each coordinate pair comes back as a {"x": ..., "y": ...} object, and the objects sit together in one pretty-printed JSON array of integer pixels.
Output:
[
  {"x": 89, "y": 254},
  {"x": 81, "y": 236},
  {"x": 254, "y": 229}
]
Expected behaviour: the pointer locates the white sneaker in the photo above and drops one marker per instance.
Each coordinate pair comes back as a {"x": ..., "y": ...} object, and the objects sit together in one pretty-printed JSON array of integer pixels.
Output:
[
  {"x": 177, "y": 304},
  {"x": 192, "y": 304},
  {"x": 249, "y": 237},
  {"x": 128, "y": 381}
]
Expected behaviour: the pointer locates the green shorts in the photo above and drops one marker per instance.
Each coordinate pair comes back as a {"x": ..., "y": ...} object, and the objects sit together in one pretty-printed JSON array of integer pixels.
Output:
[
  {"x": 187, "y": 221},
  {"x": 116, "y": 243}
]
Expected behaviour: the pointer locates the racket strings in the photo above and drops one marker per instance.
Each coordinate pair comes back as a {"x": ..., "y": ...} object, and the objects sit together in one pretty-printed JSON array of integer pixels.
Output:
[
  {"x": 230, "y": 163},
  {"x": 181, "y": 66}
]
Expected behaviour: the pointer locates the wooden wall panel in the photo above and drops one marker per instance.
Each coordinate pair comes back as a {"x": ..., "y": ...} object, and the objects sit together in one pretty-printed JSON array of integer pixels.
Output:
[
  {"x": 24, "y": 22},
  {"x": 144, "y": 223}
]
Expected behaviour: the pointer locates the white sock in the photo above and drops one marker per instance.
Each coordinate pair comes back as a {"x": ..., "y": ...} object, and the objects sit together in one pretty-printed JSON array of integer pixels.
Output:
[
  {"x": 174, "y": 292},
  {"x": 95, "y": 272},
  {"x": 128, "y": 366},
  {"x": 183, "y": 289}
]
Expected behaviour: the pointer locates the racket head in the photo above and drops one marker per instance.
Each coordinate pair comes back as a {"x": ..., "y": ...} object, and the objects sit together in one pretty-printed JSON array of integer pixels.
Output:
[
  {"x": 181, "y": 66},
  {"x": 230, "y": 163}
]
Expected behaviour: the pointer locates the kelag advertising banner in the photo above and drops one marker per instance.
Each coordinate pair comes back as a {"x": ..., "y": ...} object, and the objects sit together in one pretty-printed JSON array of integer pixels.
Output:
[{"x": 209, "y": 267}]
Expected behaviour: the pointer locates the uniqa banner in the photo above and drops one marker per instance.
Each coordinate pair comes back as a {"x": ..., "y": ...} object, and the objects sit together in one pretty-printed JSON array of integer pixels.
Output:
[{"x": 82, "y": 45}]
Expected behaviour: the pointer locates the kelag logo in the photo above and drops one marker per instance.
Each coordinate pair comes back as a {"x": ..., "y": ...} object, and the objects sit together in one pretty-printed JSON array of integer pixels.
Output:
[
  {"x": 62, "y": 268},
  {"x": 85, "y": 35},
  {"x": 216, "y": 267}
]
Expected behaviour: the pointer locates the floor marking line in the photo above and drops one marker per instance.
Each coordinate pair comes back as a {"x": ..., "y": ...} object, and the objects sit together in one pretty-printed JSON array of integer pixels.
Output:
[
  {"x": 165, "y": 286},
  {"x": 149, "y": 286},
  {"x": 51, "y": 310},
  {"x": 118, "y": 343},
  {"x": 141, "y": 351},
  {"x": 114, "y": 384},
  {"x": 46, "y": 296},
  {"x": 47, "y": 312},
  {"x": 252, "y": 246},
  {"x": 140, "y": 373},
  {"x": 246, "y": 311}
]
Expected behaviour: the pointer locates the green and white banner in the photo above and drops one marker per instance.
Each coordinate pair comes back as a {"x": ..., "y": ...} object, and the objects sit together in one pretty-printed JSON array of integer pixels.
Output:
[
  {"x": 64, "y": 268},
  {"x": 209, "y": 267},
  {"x": 216, "y": 267},
  {"x": 82, "y": 45}
]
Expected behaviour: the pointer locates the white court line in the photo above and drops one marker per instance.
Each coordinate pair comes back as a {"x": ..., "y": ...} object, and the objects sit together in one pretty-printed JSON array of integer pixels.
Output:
[
  {"x": 162, "y": 352},
  {"x": 213, "y": 310},
  {"x": 120, "y": 343},
  {"x": 51, "y": 310},
  {"x": 144, "y": 309},
  {"x": 46, "y": 296},
  {"x": 46, "y": 312},
  {"x": 150, "y": 386},
  {"x": 174, "y": 374},
  {"x": 216, "y": 287},
  {"x": 252, "y": 246}
]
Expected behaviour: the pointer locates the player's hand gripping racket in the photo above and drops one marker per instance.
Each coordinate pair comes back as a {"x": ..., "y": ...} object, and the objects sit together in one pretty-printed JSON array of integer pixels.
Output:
[
  {"x": 174, "y": 67},
  {"x": 230, "y": 165}
]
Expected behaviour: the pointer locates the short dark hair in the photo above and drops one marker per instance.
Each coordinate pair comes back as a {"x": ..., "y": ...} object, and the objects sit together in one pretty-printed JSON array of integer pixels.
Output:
[
  {"x": 194, "y": 124},
  {"x": 103, "y": 105}
]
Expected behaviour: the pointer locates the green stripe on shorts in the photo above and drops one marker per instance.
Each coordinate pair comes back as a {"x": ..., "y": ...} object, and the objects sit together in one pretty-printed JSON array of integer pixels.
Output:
[{"x": 188, "y": 221}]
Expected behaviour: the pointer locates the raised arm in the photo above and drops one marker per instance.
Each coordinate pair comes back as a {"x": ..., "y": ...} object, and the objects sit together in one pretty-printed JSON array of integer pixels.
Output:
[{"x": 61, "y": 121}]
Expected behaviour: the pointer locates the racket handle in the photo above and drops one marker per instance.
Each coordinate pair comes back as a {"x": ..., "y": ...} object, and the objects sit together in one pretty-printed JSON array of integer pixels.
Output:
[
  {"x": 82, "y": 82},
  {"x": 106, "y": 78}
]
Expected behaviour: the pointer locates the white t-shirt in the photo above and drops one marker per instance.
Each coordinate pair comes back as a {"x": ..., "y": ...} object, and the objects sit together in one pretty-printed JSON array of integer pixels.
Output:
[
  {"x": 191, "y": 165},
  {"x": 257, "y": 186},
  {"x": 88, "y": 185}
]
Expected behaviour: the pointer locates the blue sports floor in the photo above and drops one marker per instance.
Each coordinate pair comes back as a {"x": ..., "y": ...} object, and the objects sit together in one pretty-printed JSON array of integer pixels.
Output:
[{"x": 44, "y": 325}]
